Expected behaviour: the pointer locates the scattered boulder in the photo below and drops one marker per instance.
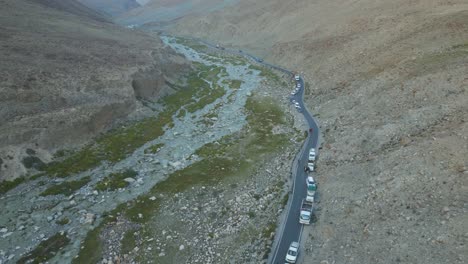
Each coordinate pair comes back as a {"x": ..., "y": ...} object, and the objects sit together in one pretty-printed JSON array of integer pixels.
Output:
[
  {"x": 129, "y": 180},
  {"x": 89, "y": 218}
]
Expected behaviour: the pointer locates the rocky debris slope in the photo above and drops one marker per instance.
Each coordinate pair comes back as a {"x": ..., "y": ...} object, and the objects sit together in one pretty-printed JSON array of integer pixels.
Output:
[
  {"x": 388, "y": 83},
  {"x": 212, "y": 224},
  {"x": 40, "y": 217},
  {"x": 68, "y": 77}
]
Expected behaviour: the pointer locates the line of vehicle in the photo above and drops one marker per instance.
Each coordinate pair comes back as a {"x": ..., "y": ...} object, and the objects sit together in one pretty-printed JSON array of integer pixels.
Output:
[{"x": 297, "y": 160}]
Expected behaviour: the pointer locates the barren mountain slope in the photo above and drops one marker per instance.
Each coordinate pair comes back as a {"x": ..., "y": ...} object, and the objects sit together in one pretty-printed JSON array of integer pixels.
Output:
[
  {"x": 66, "y": 77},
  {"x": 161, "y": 11},
  {"x": 388, "y": 81},
  {"x": 111, "y": 7}
]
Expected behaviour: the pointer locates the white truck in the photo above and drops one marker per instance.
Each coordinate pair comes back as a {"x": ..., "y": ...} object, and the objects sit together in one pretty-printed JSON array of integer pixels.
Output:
[{"x": 306, "y": 212}]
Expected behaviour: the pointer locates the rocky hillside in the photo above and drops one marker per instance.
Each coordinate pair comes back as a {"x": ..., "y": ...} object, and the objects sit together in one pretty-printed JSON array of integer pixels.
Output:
[
  {"x": 111, "y": 7},
  {"x": 68, "y": 75},
  {"x": 163, "y": 11},
  {"x": 387, "y": 80}
]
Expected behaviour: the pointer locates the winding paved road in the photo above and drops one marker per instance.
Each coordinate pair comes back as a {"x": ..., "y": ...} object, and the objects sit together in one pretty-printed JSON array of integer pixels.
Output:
[
  {"x": 292, "y": 230},
  {"x": 289, "y": 230}
]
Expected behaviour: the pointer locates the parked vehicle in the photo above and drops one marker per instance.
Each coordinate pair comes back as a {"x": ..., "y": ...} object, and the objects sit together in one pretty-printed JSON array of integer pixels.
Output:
[
  {"x": 310, "y": 180},
  {"x": 312, "y": 154},
  {"x": 306, "y": 212},
  {"x": 310, "y": 165},
  {"x": 311, "y": 189},
  {"x": 293, "y": 251},
  {"x": 296, "y": 77}
]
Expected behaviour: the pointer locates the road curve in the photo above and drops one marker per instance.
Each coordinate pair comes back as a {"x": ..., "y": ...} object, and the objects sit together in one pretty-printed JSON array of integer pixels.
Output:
[{"x": 289, "y": 230}]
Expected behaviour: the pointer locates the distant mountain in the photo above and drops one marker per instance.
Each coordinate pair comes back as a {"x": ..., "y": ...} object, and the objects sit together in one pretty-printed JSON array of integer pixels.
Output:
[{"x": 111, "y": 7}]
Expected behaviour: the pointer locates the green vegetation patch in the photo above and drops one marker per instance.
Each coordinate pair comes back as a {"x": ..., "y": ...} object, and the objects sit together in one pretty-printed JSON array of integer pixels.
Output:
[
  {"x": 236, "y": 61},
  {"x": 5, "y": 186},
  {"x": 270, "y": 228},
  {"x": 66, "y": 188},
  {"x": 233, "y": 84},
  {"x": 285, "y": 199},
  {"x": 46, "y": 249},
  {"x": 267, "y": 73},
  {"x": 202, "y": 89},
  {"x": 191, "y": 44},
  {"x": 128, "y": 242},
  {"x": 86, "y": 158},
  {"x": 91, "y": 248},
  {"x": 115, "y": 181},
  {"x": 63, "y": 221}
]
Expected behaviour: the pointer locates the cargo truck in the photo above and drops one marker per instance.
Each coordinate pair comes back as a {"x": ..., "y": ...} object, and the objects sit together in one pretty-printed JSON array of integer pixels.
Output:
[{"x": 306, "y": 212}]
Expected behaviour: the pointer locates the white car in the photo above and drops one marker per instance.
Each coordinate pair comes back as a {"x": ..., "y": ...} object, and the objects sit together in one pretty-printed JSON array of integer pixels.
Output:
[
  {"x": 293, "y": 251},
  {"x": 310, "y": 180},
  {"x": 297, "y": 105},
  {"x": 310, "y": 165},
  {"x": 298, "y": 85},
  {"x": 312, "y": 154},
  {"x": 293, "y": 93},
  {"x": 296, "y": 77}
]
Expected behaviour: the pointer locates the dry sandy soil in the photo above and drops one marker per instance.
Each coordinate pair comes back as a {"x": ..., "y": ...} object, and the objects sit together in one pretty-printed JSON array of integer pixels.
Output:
[
  {"x": 67, "y": 75},
  {"x": 388, "y": 82}
]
